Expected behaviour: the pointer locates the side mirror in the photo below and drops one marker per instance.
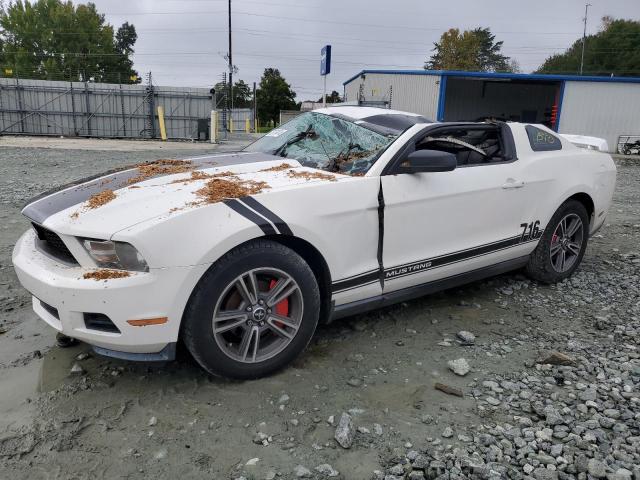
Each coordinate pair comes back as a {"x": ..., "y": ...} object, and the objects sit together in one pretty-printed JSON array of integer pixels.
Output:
[{"x": 428, "y": 161}]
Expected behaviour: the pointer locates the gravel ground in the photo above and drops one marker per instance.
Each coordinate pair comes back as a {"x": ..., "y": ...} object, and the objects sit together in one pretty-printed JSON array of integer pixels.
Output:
[{"x": 550, "y": 386}]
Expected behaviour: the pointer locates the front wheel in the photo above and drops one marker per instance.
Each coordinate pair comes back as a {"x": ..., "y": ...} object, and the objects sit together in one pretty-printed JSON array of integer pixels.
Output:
[
  {"x": 562, "y": 245},
  {"x": 253, "y": 312}
]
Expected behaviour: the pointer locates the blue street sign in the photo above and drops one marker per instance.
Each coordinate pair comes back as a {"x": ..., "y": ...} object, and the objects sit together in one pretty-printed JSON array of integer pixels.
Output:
[{"x": 325, "y": 60}]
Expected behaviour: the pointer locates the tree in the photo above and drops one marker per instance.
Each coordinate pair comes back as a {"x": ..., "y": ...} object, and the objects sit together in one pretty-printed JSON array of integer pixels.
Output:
[
  {"x": 455, "y": 51},
  {"x": 242, "y": 95},
  {"x": 490, "y": 57},
  {"x": 333, "y": 97},
  {"x": 471, "y": 50},
  {"x": 274, "y": 94},
  {"x": 614, "y": 50},
  {"x": 125, "y": 39},
  {"x": 56, "y": 40}
]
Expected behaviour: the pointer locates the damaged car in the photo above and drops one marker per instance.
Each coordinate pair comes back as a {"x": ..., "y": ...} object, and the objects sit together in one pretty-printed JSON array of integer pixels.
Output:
[{"x": 240, "y": 256}]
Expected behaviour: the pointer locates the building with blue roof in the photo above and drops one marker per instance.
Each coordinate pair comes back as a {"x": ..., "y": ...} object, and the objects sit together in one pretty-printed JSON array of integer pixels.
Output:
[{"x": 606, "y": 107}]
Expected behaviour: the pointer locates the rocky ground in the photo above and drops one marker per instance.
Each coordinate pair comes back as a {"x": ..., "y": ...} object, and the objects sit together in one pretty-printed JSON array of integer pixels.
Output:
[{"x": 503, "y": 378}]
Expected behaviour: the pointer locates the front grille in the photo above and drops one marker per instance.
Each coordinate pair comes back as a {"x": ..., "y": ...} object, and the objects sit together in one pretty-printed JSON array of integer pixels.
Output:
[
  {"x": 54, "y": 244},
  {"x": 99, "y": 321}
]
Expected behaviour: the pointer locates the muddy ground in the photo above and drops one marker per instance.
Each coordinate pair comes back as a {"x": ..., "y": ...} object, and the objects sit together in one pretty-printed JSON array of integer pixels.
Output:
[{"x": 127, "y": 420}]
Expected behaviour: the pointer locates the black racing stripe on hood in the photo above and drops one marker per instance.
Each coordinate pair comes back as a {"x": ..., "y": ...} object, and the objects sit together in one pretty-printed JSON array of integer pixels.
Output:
[
  {"x": 41, "y": 207},
  {"x": 250, "y": 215},
  {"x": 279, "y": 223}
]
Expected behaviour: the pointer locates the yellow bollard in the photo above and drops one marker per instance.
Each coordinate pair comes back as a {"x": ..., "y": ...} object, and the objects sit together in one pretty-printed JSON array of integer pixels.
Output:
[
  {"x": 213, "y": 134},
  {"x": 230, "y": 125},
  {"x": 255, "y": 125},
  {"x": 163, "y": 129},
  {"x": 247, "y": 126}
]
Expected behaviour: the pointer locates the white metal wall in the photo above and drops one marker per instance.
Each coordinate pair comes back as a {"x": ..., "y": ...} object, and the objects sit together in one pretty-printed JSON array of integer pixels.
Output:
[
  {"x": 42, "y": 107},
  {"x": 601, "y": 109},
  {"x": 411, "y": 93}
]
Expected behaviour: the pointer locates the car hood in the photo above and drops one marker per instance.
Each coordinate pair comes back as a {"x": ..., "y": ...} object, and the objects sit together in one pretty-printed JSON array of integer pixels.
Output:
[{"x": 102, "y": 205}]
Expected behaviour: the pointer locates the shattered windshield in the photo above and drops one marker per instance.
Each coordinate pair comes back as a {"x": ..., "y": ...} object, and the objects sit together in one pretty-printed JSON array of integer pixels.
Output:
[{"x": 325, "y": 142}]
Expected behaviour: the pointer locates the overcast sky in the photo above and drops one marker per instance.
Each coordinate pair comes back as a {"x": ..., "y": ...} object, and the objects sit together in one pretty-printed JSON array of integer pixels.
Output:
[{"x": 183, "y": 42}]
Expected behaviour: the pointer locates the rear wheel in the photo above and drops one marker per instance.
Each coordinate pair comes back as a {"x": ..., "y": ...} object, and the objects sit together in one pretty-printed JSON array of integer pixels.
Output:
[
  {"x": 253, "y": 312},
  {"x": 562, "y": 245}
]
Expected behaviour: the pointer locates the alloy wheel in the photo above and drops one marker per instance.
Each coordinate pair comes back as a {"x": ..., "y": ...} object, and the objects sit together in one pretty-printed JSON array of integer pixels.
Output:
[
  {"x": 566, "y": 243},
  {"x": 258, "y": 315}
]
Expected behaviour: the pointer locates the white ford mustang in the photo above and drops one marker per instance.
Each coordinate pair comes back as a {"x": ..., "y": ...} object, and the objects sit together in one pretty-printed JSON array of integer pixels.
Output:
[{"x": 337, "y": 212}]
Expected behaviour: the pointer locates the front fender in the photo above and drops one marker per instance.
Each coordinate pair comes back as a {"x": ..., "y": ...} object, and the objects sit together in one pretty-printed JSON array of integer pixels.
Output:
[{"x": 190, "y": 237}]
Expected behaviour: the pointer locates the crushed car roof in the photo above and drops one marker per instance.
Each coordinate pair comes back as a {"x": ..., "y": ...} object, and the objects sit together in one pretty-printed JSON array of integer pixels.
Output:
[{"x": 382, "y": 120}]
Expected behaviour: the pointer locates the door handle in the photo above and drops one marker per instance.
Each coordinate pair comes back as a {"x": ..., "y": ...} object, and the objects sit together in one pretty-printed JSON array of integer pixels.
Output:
[{"x": 511, "y": 183}]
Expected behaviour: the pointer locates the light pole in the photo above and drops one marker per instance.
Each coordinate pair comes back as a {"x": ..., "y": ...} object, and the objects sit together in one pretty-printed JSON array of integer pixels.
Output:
[
  {"x": 584, "y": 34},
  {"x": 230, "y": 102}
]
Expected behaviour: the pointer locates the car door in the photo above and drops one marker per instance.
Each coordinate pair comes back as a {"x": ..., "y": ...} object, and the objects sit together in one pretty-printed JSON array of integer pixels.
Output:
[{"x": 443, "y": 224}]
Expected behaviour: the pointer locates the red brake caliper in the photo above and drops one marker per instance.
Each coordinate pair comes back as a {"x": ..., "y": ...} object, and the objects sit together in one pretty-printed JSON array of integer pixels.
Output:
[{"x": 282, "y": 308}]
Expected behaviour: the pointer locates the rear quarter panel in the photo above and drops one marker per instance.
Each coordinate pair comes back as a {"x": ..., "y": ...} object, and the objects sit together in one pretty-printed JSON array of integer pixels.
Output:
[{"x": 552, "y": 177}]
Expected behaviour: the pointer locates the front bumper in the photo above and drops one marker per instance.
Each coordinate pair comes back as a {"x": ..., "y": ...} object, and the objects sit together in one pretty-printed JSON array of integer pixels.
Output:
[{"x": 62, "y": 297}]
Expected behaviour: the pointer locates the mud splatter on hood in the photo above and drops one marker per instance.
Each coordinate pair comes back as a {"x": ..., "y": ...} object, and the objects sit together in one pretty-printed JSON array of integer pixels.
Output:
[
  {"x": 38, "y": 209},
  {"x": 66, "y": 211}
]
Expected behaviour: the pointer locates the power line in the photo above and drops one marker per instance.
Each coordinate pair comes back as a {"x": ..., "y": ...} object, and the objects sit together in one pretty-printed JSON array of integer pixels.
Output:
[{"x": 332, "y": 22}]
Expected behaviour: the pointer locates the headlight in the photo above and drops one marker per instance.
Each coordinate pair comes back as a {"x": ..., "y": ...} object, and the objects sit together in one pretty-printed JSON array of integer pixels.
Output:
[{"x": 119, "y": 255}]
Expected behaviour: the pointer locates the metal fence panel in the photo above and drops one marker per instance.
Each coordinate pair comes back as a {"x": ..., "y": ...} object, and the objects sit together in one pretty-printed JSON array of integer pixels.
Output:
[
  {"x": 286, "y": 115},
  {"x": 41, "y": 107},
  {"x": 239, "y": 117}
]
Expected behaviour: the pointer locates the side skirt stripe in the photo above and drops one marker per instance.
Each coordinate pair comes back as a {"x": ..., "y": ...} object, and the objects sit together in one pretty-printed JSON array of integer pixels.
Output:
[
  {"x": 280, "y": 224},
  {"x": 357, "y": 276},
  {"x": 355, "y": 282},
  {"x": 431, "y": 263},
  {"x": 415, "y": 291},
  {"x": 418, "y": 267},
  {"x": 250, "y": 215}
]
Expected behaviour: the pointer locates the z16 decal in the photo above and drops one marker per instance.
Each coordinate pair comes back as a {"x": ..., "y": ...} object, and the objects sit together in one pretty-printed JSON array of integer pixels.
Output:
[{"x": 530, "y": 231}]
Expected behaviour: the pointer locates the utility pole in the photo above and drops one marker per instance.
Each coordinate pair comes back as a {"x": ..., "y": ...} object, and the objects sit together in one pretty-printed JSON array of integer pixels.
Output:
[
  {"x": 255, "y": 109},
  {"x": 230, "y": 62},
  {"x": 324, "y": 91},
  {"x": 584, "y": 34}
]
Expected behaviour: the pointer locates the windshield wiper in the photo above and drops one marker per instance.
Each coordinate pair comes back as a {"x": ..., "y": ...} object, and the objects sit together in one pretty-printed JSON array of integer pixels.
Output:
[
  {"x": 308, "y": 133},
  {"x": 334, "y": 164}
]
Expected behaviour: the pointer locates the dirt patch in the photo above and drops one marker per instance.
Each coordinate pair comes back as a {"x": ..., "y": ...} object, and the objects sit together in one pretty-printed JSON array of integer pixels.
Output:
[
  {"x": 218, "y": 189},
  {"x": 100, "y": 199},
  {"x": 278, "y": 168},
  {"x": 311, "y": 175},
  {"x": 96, "y": 200},
  {"x": 200, "y": 175},
  {"x": 160, "y": 167},
  {"x": 105, "y": 274},
  {"x": 223, "y": 174}
]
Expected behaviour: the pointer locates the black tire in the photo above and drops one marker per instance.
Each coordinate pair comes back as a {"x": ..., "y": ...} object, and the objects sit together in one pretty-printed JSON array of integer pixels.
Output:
[
  {"x": 627, "y": 151},
  {"x": 197, "y": 331},
  {"x": 540, "y": 265}
]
